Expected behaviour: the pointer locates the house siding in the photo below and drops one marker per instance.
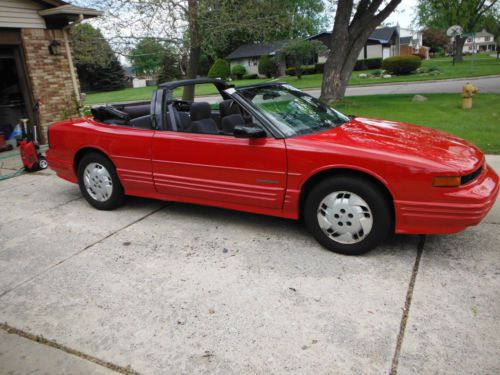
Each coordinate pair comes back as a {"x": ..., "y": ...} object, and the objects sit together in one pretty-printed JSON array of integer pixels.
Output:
[
  {"x": 251, "y": 64},
  {"x": 21, "y": 14}
]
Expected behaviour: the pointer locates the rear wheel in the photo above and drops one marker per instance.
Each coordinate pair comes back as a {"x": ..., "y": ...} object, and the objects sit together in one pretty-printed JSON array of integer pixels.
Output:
[
  {"x": 347, "y": 214},
  {"x": 99, "y": 182}
]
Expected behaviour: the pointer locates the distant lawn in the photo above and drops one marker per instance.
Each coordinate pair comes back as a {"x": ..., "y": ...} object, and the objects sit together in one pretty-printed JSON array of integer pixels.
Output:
[
  {"x": 480, "y": 125},
  {"x": 483, "y": 65}
]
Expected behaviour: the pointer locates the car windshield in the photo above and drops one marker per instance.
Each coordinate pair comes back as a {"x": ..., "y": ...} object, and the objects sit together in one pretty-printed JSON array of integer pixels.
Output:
[{"x": 293, "y": 111}]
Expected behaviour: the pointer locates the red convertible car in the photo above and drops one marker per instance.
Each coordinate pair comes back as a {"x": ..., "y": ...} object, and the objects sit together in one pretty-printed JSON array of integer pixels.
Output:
[{"x": 275, "y": 150}]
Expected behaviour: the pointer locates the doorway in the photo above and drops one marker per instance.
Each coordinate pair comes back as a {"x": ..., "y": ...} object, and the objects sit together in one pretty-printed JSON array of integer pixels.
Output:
[{"x": 15, "y": 99}]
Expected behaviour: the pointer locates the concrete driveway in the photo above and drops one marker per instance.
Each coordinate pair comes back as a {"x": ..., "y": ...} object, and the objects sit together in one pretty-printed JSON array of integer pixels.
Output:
[{"x": 167, "y": 288}]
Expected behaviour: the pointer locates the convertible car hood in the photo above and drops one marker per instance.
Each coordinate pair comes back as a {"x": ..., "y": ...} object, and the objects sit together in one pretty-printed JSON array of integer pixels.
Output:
[{"x": 418, "y": 143}]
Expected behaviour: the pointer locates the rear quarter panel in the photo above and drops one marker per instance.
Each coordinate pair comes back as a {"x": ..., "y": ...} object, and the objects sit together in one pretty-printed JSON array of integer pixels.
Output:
[{"x": 128, "y": 148}]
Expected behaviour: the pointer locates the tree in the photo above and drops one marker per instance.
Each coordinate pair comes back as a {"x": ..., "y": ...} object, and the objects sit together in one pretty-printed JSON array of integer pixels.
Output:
[
  {"x": 247, "y": 21},
  {"x": 267, "y": 66},
  {"x": 169, "y": 67},
  {"x": 434, "y": 38},
  {"x": 299, "y": 52},
  {"x": 97, "y": 66},
  {"x": 351, "y": 29},
  {"x": 445, "y": 13},
  {"x": 210, "y": 26},
  {"x": 147, "y": 56}
]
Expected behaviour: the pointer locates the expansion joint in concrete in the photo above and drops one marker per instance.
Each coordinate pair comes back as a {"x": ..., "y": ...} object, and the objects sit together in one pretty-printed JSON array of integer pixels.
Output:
[
  {"x": 53, "y": 344},
  {"x": 406, "y": 310},
  {"x": 81, "y": 251}
]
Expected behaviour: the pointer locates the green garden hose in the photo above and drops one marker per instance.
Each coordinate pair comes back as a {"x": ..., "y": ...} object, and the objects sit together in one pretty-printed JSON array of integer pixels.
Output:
[{"x": 11, "y": 175}]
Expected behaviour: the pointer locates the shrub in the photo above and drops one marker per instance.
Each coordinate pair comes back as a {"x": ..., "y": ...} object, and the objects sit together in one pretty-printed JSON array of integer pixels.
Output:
[
  {"x": 250, "y": 76},
  {"x": 360, "y": 65},
  {"x": 219, "y": 69},
  {"x": 373, "y": 63},
  {"x": 320, "y": 67},
  {"x": 268, "y": 66},
  {"x": 400, "y": 65},
  {"x": 308, "y": 69},
  {"x": 238, "y": 71}
]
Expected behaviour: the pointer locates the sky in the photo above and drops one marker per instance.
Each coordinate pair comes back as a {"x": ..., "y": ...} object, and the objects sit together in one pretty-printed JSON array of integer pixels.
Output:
[{"x": 404, "y": 14}]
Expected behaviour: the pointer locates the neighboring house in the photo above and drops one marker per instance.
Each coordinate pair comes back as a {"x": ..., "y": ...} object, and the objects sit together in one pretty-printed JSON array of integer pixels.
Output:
[
  {"x": 410, "y": 43},
  {"x": 36, "y": 64},
  {"x": 482, "y": 41},
  {"x": 382, "y": 42},
  {"x": 249, "y": 54}
]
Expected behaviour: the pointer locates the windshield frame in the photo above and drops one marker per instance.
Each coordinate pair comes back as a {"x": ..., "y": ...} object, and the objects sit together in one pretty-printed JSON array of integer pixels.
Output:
[{"x": 240, "y": 92}]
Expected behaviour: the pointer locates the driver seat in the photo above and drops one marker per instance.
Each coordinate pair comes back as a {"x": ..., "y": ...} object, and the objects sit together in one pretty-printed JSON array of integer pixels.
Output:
[{"x": 230, "y": 114}]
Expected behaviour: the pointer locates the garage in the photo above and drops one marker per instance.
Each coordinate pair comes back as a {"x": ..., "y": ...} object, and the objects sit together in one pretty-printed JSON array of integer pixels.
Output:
[{"x": 36, "y": 65}]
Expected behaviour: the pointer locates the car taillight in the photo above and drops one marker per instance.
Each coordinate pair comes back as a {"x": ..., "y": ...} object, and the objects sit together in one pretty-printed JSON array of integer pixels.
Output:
[{"x": 446, "y": 181}]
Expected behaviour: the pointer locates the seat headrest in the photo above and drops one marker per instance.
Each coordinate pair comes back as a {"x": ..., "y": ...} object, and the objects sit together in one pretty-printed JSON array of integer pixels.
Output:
[
  {"x": 200, "y": 111},
  {"x": 229, "y": 107}
]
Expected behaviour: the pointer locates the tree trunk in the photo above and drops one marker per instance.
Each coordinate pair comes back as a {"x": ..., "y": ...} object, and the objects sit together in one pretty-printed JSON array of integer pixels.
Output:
[
  {"x": 459, "y": 46},
  {"x": 194, "y": 48},
  {"x": 347, "y": 40}
]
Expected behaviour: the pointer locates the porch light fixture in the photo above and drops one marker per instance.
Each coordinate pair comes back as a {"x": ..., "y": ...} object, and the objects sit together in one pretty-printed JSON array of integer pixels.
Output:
[{"x": 54, "y": 48}]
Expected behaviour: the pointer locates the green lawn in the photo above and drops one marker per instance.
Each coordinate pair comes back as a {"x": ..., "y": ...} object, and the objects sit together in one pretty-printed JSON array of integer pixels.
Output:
[
  {"x": 480, "y": 125},
  {"x": 483, "y": 65}
]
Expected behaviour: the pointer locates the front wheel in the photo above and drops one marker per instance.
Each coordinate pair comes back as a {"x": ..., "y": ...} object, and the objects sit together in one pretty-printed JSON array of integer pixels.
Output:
[
  {"x": 99, "y": 182},
  {"x": 348, "y": 215}
]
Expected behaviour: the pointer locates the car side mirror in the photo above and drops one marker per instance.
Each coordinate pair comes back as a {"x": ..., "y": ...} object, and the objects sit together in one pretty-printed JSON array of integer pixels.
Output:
[{"x": 242, "y": 131}]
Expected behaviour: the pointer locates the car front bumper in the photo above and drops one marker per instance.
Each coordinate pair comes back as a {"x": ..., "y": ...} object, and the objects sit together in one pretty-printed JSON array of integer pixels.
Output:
[{"x": 451, "y": 209}]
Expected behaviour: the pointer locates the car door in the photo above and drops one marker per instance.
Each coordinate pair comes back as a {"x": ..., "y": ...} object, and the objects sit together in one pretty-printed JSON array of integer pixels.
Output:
[{"x": 220, "y": 168}]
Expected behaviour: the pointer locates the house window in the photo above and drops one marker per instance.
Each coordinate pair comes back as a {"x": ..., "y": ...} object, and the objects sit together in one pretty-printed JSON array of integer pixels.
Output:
[
  {"x": 252, "y": 62},
  {"x": 469, "y": 40},
  {"x": 487, "y": 38}
]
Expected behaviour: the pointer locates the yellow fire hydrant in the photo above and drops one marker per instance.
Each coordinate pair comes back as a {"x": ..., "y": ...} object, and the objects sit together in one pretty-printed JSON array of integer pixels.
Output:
[{"x": 467, "y": 92}]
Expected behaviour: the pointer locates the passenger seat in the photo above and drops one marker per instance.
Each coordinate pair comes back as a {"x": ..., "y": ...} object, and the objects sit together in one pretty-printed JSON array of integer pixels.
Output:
[{"x": 201, "y": 120}]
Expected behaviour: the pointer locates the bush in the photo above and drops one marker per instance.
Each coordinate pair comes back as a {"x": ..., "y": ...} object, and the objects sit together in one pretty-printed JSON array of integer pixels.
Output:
[
  {"x": 372, "y": 63},
  {"x": 306, "y": 70},
  {"x": 238, "y": 71},
  {"x": 250, "y": 76},
  {"x": 220, "y": 69},
  {"x": 268, "y": 66},
  {"x": 401, "y": 65}
]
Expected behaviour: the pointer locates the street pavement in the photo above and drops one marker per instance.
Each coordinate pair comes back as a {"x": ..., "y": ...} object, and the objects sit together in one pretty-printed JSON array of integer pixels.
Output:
[
  {"x": 485, "y": 85},
  {"x": 158, "y": 288}
]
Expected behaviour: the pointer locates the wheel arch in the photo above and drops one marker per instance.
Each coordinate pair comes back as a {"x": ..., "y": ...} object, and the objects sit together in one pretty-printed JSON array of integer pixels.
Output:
[
  {"x": 329, "y": 172},
  {"x": 85, "y": 151}
]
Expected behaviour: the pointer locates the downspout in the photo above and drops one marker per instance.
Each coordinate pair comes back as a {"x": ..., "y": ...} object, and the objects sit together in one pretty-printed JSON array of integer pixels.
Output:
[{"x": 70, "y": 58}]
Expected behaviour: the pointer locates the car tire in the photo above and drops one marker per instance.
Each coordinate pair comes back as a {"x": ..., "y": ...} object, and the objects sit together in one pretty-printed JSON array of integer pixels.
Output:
[
  {"x": 99, "y": 182},
  {"x": 348, "y": 214}
]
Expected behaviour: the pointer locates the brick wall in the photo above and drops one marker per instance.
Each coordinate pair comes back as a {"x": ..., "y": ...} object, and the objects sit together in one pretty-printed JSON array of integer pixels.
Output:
[{"x": 49, "y": 76}]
